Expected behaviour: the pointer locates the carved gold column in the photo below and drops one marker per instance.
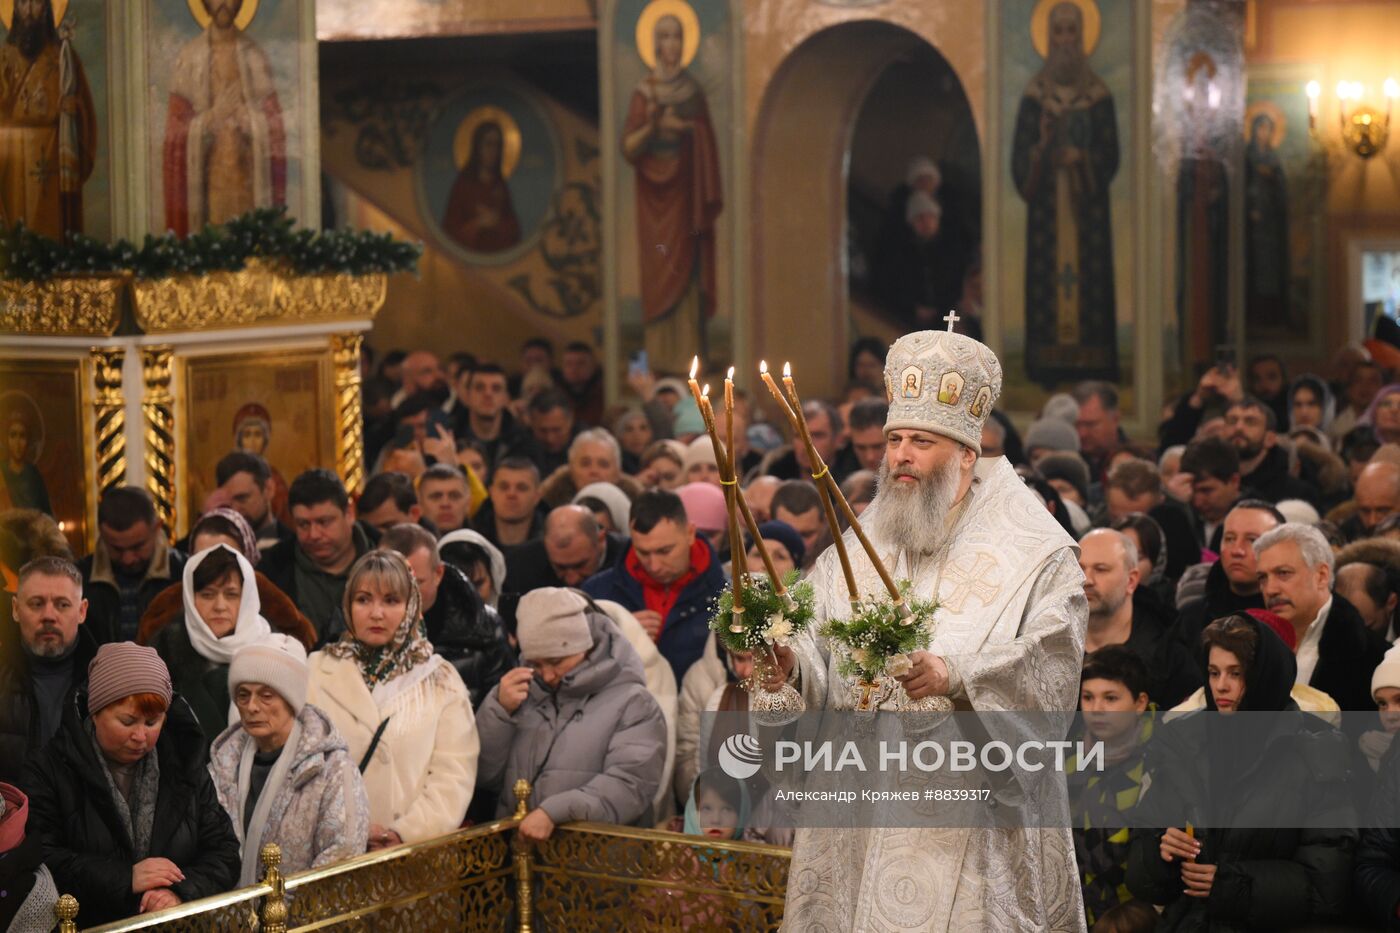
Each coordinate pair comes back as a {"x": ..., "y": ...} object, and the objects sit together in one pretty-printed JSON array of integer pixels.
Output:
[
  {"x": 158, "y": 409},
  {"x": 350, "y": 425},
  {"x": 109, "y": 417}
]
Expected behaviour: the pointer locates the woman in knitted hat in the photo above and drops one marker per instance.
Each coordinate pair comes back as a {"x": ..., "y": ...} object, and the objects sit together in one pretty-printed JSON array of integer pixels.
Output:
[
  {"x": 283, "y": 773},
  {"x": 121, "y": 797},
  {"x": 404, "y": 712},
  {"x": 222, "y": 614},
  {"x": 784, "y": 546},
  {"x": 225, "y": 526},
  {"x": 576, "y": 720}
]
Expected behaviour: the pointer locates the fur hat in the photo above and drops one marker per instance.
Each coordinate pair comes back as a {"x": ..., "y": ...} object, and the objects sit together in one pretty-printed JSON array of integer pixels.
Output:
[
  {"x": 278, "y": 661},
  {"x": 552, "y": 622},
  {"x": 1067, "y": 467},
  {"x": 943, "y": 383}
]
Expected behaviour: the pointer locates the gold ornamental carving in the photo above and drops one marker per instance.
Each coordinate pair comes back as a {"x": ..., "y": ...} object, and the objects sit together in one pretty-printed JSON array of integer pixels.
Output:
[
  {"x": 262, "y": 293},
  {"x": 109, "y": 417},
  {"x": 80, "y": 306},
  {"x": 349, "y": 430},
  {"x": 158, "y": 411}
]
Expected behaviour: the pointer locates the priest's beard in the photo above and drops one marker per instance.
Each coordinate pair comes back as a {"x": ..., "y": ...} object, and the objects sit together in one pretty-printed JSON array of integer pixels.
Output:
[{"x": 914, "y": 516}]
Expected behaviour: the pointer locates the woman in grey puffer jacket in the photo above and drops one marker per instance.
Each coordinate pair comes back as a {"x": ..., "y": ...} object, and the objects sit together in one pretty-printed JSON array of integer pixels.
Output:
[
  {"x": 283, "y": 773},
  {"x": 577, "y": 722}
]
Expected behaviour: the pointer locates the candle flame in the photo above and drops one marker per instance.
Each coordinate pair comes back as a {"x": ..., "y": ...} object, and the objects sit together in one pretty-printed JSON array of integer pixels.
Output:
[
  {"x": 694, "y": 366},
  {"x": 763, "y": 367},
  {"x": 705, "y": 391},
  {"x": 787, "y": 370},
  {"x": 730, "y": 377}
]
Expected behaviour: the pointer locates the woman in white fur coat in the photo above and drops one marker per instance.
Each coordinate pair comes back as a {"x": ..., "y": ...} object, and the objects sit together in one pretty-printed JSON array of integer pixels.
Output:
[{"x": 404, "y": 712}]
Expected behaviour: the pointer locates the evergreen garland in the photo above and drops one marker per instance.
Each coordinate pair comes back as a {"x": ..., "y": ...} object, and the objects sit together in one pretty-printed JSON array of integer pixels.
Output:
[
  {"x": 763, "y": 609},
  {"x": 265, "y": 233},
  {"x": 876, "y": 632}
]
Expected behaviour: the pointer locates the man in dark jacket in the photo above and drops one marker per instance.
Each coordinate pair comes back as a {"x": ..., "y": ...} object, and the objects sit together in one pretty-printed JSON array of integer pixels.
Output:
[
  {"x": 1231, "y": 583},
  {"x": 1336, "y": 652},
  {"x": 512, "y": 515},
  {"x": 42, "y": 662},
  {"x": 312, "y": 569},
  {"x": 668, "y": 578},
  {"x": 460, "y": 626},
  {"x": 1250, "y": 425},
  {"x": 131, "y": 564},
  {"x": 1122, "y": 614},
  {"x": 574, "y": 547},
  {"x": 484, "y": 418},
  {"x": 245, "y": 482}
]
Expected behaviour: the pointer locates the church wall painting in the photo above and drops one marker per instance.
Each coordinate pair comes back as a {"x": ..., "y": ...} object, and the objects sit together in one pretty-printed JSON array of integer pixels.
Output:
[
  {"x": 45, "y": 463},
  {"x": 1284, "y": 186},
  {"x": 272, "y": 405},
  {"x": 55, "y": 173},
  {"x": 671, "y": 67},
  {"x": 488, "y": 173},
  {"x": 1065, "y": 212},
  {"x": 225, "y": 112}
]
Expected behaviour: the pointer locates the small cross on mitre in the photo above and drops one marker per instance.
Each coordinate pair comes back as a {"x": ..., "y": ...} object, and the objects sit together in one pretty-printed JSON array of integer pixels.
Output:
[{"x": 952, "y": 318}]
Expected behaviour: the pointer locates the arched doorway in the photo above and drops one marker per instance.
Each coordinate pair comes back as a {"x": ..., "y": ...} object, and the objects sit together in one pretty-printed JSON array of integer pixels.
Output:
[{"x": 858, "y": 98}]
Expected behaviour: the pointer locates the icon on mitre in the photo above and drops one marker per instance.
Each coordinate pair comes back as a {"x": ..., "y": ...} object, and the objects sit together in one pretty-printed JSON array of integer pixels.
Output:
[
  {"x": 950, "y": 388},
  {"x": 911, "y": 382}
]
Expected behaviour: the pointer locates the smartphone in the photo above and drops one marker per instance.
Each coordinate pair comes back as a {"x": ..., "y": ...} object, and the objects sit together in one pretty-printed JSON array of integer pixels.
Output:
[
  {"x": 1224, "y": 357},
  {"x": 639, "y": 365}
]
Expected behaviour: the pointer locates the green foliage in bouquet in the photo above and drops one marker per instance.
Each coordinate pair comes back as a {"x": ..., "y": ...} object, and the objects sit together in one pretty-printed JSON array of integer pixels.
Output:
[
  {"x": 877, "y": 631},
  {"x": 265, "y": 233},
  {"x": 765, "y": 618}
]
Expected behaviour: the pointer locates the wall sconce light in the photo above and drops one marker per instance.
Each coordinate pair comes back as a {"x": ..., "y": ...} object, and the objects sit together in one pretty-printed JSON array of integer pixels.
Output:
[{"x": 1364, "y": 130}]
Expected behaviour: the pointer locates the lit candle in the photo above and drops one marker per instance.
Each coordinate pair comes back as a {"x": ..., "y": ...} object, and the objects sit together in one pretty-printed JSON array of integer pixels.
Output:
[
  {"x": 819, "y": 474},
  {"x": 777, "y": 393},
  {"x": 707, "y": 413}
]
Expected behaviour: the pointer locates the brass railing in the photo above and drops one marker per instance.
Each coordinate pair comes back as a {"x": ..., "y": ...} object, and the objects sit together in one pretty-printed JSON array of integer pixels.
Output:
[{"x": 587, "y": 876}]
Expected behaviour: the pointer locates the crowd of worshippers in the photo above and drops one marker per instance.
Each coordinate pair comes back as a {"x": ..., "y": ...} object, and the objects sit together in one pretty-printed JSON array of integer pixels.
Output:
[{"x": 523, "y": 589}]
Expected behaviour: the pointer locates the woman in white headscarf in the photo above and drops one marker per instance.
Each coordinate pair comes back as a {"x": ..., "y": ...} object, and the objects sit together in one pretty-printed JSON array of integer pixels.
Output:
[
  {"x": 479, "y": 559},
  {"x": 222, "y": 614}
]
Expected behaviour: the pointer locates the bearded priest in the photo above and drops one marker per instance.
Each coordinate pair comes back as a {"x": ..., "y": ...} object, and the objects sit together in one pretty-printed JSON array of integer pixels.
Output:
[{"x": 1009, "y": 635}]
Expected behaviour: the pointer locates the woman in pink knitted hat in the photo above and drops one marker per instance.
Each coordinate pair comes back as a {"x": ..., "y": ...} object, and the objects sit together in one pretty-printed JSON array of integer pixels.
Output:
[{"x": 121, "y": 799}]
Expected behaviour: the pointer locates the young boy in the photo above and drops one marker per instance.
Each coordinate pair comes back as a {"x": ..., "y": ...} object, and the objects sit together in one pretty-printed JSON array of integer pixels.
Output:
[{"x": 1116, "y": 712}]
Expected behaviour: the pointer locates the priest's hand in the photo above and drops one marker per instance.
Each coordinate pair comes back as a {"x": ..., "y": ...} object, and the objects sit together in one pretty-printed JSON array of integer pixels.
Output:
[
  {"x": 779, "y": 676},
  {"x": 928, "y": 677}
]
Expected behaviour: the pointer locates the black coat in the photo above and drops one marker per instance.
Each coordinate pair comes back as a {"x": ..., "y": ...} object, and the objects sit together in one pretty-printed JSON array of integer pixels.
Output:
[
  {"x": 19, "y": 720},
  {"x": 1272, "y": 482},
  {"x": 1219, "y": 601},
  {"x": 1347, "y": 656},
  {"x": 202, "y": 683},
  {"x": 1266, "y": 878},
  {"x": 468, "y": 634},
  {"x": 1378, "y": 853},
  {"x": 85, "y": 844},
  {"x": 104, "y": 613},
  {"x": 528, "y": 568},
  {"x": 1173, "y": 669}
]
